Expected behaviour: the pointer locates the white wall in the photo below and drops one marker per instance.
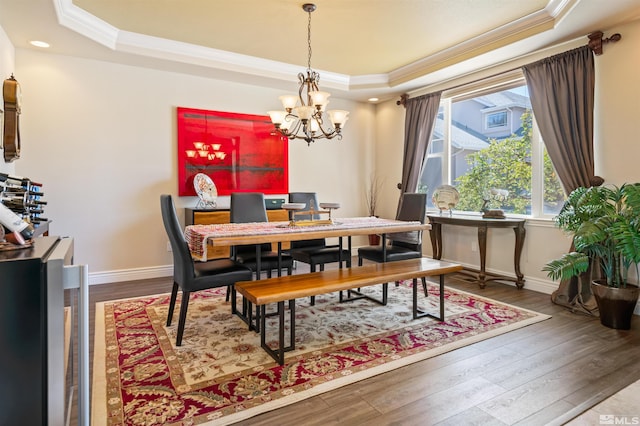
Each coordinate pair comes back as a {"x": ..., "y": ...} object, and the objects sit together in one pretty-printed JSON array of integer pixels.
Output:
[
  {"x": 7, "y": 67},
  {"x": 617, "y": 152},
  {"x": 617, "y": 144},
  {"x": 102, "y": 139}
]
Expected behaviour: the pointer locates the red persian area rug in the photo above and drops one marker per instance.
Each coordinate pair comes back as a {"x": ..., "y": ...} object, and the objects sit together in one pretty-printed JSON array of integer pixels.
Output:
[{"x": 221, "y": 375}]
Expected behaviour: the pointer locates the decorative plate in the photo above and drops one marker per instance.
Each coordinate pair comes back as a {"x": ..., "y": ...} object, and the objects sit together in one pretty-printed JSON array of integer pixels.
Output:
[
  {"x": 206, "y": 190},
  {"x": 445, "y": 197}
]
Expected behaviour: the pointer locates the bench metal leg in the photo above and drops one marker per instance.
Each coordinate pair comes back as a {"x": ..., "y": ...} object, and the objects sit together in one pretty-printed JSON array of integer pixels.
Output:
[
  {"x": 278, "y": 354},
  {"x": 418, "y": 313},
  {"x": 359, "y": 295}
]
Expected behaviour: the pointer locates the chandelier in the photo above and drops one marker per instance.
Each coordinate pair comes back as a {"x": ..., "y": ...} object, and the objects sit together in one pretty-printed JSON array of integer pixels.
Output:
[{"x": 309, "y": 120}]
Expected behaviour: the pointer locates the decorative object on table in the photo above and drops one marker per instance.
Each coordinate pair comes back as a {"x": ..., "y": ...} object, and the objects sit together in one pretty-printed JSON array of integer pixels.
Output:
[
  {"x": 206, "y": 191},
  {"x": 604, "y": 222},
  {"x": 445, "y": 198},
  {"x": 293, "y": 207},
  {"x": 329, "y": 207},
  {"x": 11, "y": 134},
  {"x": 309, "y": 120},
  {"x": 240, "y": 152},
  {"x": 494, "y": 194},
  {"x": 220, "y": 369}
]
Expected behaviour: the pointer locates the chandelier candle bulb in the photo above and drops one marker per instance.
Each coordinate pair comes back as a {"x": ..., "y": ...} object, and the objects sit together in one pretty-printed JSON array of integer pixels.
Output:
[
  {"x": 318, "y": 98},
  {"x": 338, "y": 117},
  {"x": 304, "y": 112},
  {"x": 289, "y": 102},
  {"x": 277, "y": 117}
]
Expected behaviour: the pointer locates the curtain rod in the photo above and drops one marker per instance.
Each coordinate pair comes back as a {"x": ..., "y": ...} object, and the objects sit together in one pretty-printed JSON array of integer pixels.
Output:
[{"x": 596, "y": 40}]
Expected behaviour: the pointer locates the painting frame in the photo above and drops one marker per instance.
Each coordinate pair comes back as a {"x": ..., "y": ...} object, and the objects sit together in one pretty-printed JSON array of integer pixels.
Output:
[{"x": 239, "y": 152}]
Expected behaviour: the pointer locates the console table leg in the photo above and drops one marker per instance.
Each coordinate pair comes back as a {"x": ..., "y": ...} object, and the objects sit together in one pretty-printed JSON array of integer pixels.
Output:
[
  {"x": 435, "y": 234},
  {"x": 520, "y": 234},
  {"x": 482, "y": 246}
]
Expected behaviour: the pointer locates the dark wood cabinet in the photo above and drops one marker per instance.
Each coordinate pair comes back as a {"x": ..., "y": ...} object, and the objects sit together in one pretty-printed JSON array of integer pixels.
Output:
[{"x": 32, "y": 367}]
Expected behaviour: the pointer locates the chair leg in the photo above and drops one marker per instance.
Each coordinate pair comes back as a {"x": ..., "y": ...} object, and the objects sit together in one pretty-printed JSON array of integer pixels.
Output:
[
  {"x": 359, "y": 261},
  {"x": 183, "y": 316},
  {"x": 234, "y": 297},
  {"x": 424, "y": 286},
  {"x": 321, "y": 267},
  {"x": 312, "y": 298},
  {"x": 228, "y": 293},
  {"x": 172, "y": 303}
]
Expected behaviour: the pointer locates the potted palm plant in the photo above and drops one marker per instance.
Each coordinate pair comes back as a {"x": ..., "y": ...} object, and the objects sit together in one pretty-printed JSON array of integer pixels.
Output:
[{"x": 605, "y": 222}]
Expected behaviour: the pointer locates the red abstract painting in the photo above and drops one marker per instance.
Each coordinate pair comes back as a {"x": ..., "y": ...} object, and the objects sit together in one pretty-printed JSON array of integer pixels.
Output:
[{"x": 239, "y": 152}]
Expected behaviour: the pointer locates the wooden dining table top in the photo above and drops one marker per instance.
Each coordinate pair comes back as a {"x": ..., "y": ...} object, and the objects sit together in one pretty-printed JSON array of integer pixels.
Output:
[{"x": 199, "y": 236}]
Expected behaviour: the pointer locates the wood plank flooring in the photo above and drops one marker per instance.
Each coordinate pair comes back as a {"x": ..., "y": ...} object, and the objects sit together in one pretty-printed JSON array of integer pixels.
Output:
[{"x": 546, "y": 373}]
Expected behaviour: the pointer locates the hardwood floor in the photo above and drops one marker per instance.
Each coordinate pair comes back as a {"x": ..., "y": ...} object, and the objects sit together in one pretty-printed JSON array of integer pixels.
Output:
[{"x": 546, "y": 373}]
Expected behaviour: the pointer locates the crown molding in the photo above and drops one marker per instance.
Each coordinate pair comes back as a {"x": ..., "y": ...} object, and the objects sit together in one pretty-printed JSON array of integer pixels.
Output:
[
  {"x": 88, "y": 25},
  {"x": 82, "y": 22}
]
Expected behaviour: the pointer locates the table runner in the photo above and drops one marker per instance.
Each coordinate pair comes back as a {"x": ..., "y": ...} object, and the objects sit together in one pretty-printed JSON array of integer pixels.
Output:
[{"x": 197, "y": 235}]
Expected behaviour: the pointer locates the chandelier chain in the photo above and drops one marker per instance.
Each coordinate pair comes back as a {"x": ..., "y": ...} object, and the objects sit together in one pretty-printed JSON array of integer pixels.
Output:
[{"x": 309, "y": 42}]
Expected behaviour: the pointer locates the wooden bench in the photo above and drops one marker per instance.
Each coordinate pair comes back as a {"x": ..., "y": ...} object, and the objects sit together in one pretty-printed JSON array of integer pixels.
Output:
[{"x": 291, "y": 287}]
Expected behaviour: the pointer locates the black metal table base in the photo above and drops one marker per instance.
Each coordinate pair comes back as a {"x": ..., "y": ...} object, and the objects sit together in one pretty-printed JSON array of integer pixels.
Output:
[{"x": 278, "y": 354}]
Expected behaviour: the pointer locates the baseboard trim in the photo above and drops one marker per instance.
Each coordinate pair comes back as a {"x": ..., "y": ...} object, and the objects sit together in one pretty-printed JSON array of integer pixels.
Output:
[
  {"x": 534, "y": 284},
  {"x": 133, "y": 274}
]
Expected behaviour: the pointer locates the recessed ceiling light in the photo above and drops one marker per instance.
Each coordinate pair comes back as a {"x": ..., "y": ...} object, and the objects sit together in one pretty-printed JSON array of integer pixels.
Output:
[
  {"x": 373, "y": 99},
  {"x": 39, "y": 43}
]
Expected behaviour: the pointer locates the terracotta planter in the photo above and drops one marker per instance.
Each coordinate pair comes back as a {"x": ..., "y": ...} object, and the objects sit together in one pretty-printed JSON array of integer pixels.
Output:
[
  {"x": 616, "y": 305},
  {"x": 374, "y": 239}
]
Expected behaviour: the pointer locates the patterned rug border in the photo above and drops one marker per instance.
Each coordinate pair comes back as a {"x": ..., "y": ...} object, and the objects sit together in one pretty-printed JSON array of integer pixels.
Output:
[{"x": 98, "y": 408}]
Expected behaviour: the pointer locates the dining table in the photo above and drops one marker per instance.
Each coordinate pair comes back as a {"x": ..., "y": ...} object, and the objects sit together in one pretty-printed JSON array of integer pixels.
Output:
[{"x": 230, "y": 234}]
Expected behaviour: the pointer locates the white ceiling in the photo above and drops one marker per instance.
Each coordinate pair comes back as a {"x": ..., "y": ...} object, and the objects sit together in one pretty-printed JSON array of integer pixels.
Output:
[{"x": 361, "y": 48}]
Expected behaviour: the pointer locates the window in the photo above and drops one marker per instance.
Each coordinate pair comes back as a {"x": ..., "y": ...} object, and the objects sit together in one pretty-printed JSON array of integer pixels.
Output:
[
  {"x": 489, "y": 140},
  {"x": 496, "y": 119}
]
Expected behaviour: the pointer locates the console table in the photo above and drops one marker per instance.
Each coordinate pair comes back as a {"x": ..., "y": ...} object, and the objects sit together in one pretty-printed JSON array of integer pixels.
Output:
[{"x": 481, "y": 276}]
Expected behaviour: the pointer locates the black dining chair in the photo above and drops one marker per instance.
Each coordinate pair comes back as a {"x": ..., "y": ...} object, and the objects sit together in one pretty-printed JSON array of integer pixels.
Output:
[
  {"x": 249, "y": 207},
  {"x": 190, "y": 276},
  {"x": 401, "y": 245},
  {"x": 314, "y": 252}
]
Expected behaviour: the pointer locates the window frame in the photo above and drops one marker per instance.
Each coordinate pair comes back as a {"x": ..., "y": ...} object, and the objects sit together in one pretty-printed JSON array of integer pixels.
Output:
[
  {"x": 537, "y": 144},
  {"x": 502, "y": 111}
]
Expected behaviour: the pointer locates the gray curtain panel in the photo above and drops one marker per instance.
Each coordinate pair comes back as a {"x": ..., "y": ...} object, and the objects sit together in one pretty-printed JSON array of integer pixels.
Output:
[
  {"x": 561, "y": 88},
  {"x": 419, "y": 121}
]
